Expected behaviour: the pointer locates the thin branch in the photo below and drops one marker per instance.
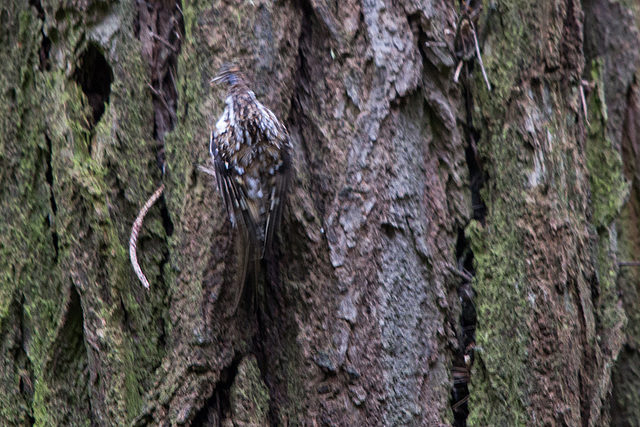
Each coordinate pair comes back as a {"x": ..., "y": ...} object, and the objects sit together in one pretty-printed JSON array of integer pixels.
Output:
[
  {"x": 475, "y": 40},
  {"x": 584, "y": 105},
  {"x": 460, "y": 402},
  {"x": 160, "y": 96},
  {"x": 173, "y": 80},
  {"x": 164, "y": 42},
  {"x": 133, "y": 240},
  {"x": 435, "y": 44},
  {"x": 629, "y": 264},
  {"x": 462, "y": 273},
  {"x": 456, "y": 75}
]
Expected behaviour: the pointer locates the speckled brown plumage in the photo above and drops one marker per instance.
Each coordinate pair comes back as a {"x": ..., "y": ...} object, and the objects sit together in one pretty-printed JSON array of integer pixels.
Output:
[{"x": 250, "y": 149}]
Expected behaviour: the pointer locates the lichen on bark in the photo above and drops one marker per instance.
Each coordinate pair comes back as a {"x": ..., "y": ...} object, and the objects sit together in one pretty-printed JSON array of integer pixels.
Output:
[{"x": 537, "y": 286}]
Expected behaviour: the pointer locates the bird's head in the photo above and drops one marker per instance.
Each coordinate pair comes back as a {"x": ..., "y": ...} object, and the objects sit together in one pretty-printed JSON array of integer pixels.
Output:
[{"x": 230, "y": 75}]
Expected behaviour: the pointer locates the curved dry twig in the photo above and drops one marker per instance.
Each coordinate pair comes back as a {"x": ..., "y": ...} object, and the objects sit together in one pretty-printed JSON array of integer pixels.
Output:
[{"x": 133, "y": 240}]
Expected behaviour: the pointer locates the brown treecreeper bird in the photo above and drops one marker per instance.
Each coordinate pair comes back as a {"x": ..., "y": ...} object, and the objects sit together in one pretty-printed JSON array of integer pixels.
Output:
[{"x": 250, "y": 149}]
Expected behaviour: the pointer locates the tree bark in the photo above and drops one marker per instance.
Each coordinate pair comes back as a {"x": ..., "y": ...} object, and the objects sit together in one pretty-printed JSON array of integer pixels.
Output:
[{"x": 457, "y": 246}]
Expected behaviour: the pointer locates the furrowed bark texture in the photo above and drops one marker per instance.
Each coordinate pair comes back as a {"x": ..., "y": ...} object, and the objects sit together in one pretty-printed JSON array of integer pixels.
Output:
[
  {"x": 402, "y": 176},
  {"x": 555, "y": 186},
  {"x": 613, "y": 49}
]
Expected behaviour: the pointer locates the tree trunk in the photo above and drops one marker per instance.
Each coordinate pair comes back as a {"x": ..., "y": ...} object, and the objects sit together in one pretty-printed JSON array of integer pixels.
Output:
[{"x": 456, "y": 248}]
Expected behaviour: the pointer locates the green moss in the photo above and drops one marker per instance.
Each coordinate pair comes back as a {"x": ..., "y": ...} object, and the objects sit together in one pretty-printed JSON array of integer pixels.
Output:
[
  {"x": 500, "y": 370},
  {"x": 531, "y": 154},
  {"x": 516, "y": 42},
  {"x": 608, "y": 187},
  {"x": 189, "y": 19},
  {"x": 91, "y": 170},
  {"x": 29, "y": 279},
  {"x": 609, "y": 191},
  {"x": 504, "y": 62},
  {"x": 249, "y": 396},
  {"x": 292, "y": 365}
]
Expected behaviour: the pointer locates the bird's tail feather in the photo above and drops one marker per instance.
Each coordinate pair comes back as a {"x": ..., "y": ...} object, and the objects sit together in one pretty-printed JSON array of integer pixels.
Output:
[{"x": 248, "y": 252}]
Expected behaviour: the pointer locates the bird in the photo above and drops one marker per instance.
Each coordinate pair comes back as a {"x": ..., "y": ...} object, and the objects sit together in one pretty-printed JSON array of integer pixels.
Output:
[{"x": 251, "y": 153}]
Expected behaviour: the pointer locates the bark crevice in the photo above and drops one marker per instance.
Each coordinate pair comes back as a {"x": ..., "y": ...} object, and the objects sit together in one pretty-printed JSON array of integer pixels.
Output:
[
  {"x": 52, "y": 199},
  {"x": 159, "y": 26},
  {"x": 70, "y": 370},
  {"x": 45, "y": 44},
  {"x": 464, "y": 355},
  {"x": 217, "y": 407},
  {"x": 94, "y": 75}
]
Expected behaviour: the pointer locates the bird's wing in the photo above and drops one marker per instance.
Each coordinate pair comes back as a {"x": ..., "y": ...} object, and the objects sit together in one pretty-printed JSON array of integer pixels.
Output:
[
  {"x": 235, "y": 200},
  {"x": 279, "y": 146},
  {"x": 277, "y": 200}
]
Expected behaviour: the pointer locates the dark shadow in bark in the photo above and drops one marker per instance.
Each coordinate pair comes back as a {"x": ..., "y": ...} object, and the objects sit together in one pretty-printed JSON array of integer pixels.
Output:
[
  {"x": 217, "y": 408},
  {"x": 45, "y": 46},
  {"x": 67, "y": 371},
  {"x": 464, "y": 355},
  {"x": 159, "y": 27},
  {"x": 52, "y": 199},
  {"x": 95, "y": 76},
  {"x": 15, "y": 338}
]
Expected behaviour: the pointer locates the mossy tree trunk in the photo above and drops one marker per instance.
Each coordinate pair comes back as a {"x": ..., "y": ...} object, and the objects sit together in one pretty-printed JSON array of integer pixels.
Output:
[{"x": 450, "y": 254}]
